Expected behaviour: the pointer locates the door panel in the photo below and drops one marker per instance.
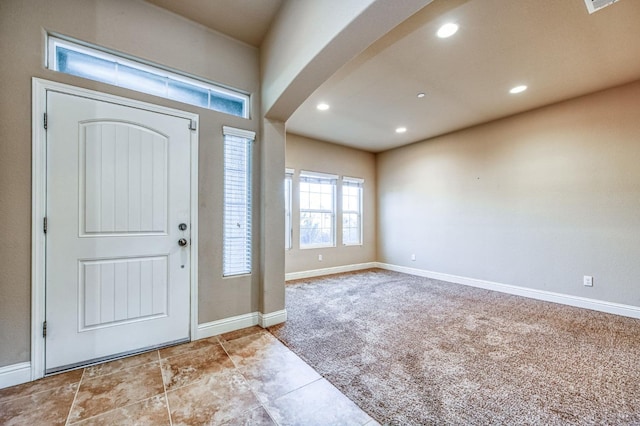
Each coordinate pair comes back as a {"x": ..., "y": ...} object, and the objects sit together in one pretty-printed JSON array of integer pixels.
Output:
[
  {"x": 124, "y": 184},
  {"x": 110, "y": 291},
  {"x": 118, "y": 186}
]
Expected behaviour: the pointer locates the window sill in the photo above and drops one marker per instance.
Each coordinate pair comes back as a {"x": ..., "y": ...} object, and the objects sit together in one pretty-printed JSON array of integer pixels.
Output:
[
  {"x": 227, "y": 277},
  {"x": 316, "y": 247}
]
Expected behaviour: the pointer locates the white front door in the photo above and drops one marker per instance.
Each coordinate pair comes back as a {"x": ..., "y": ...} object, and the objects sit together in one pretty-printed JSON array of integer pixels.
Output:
[{"x": 118, "y": 190}]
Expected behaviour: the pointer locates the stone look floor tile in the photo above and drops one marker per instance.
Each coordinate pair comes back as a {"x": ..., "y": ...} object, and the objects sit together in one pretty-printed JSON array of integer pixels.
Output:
[
  {"x": 318, "y": 403},
  {"x": 190, "y": 367},
  {"x": 151, "y": 412},
  {"x": 276, "y": 374},
  {"x": 120, "y": 364},
  {"x": 256, "y": 417},
  {"x": 188, "y": 347},
  {"x": 226, "y": 337},
  {"x": 101, "y": 394},
  {"x": 259, "y": 382},
  {"x": 214, "y": 400},
  {"x": 250, "y": 349},
  {"x": 49, "y": 407},
  {"x": 46, "y": 383}
]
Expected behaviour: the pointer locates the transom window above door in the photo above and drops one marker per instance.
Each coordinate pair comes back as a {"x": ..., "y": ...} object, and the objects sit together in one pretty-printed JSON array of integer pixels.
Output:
[{"x": 98, "y": 64}]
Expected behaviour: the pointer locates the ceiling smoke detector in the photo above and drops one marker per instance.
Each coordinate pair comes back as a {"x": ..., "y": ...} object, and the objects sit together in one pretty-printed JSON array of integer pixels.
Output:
[{"x": 595, "y": 5}]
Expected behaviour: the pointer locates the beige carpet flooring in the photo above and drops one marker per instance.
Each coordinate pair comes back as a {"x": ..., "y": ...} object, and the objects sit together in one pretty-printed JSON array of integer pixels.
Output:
[{"x": 415, "y": 351}]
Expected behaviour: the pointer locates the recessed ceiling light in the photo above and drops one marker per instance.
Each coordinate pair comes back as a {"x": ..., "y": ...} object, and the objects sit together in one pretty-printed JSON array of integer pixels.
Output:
[
  {"x": 322, "y": 106},
  {"x": 518, "y": 89},
  {"x": 447, "y": 30},
  {"x": 401, "y": 129},
  {"x": 421, "y": 95}
]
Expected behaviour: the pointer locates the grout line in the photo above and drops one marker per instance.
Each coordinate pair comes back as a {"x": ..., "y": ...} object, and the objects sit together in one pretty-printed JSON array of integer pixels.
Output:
[
  {"x": 75, "y": 396},
  {"x": 112, "y": 410},
  {"x": 226, "y": 342},
  {"x": 269, "y": 414},
  {"x": 186, "y": 352},
  {"x": 227, "y": 352},
  {"x": 240, "y": 372},
  {"x": 28, "y": 395},
  {"x": 303, "y": 386},
  {"x": 166, "y": 397}
]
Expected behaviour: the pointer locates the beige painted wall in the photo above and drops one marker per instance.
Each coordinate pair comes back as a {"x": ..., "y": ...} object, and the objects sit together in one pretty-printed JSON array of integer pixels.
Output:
[
  {"x": 142, "y": 30},
  {"x": 295, "y": 61},
  {"x": 312, "y": 155},
  {"x": 272, "y": 215},
  {"x": 536, "y": 200}
]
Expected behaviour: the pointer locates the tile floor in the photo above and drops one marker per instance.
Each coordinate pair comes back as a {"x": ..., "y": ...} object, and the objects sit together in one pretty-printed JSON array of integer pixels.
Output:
[{"x": 245, "y": 377}]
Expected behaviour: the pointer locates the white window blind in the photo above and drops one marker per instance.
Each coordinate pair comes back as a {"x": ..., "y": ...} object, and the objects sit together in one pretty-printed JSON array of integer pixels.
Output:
[
  {"x": 352, "y": 189},
  {"x": 288, "y": 229},
  {"x": 237, "y": 201},
  {"x": 317, "y": 209}
]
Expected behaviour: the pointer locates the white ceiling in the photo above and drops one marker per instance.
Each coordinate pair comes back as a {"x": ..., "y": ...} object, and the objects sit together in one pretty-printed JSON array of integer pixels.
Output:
[
  {"x": 554, "y": 46},
  {"x": 244, "y": 20}
]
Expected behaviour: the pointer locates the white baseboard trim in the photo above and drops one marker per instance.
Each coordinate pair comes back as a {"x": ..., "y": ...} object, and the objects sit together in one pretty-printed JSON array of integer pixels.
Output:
[
  {"x": 272, "y": 318},
  {"x": 548, "y": 296},
  {"x": 15, "y": 374},
  {"x": 227, "y": 325},
  {"x": 328, "y": 271}
]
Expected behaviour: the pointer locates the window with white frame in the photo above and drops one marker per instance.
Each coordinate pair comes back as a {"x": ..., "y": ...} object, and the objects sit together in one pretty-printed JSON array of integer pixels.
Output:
[
  {"x": 288, "y": 229},
  {"x": 352, "y": 189},
  {"x": 317, "y": 209},
  {"x": 237, "y": 201},
  {"x": 109, "y": 67}
]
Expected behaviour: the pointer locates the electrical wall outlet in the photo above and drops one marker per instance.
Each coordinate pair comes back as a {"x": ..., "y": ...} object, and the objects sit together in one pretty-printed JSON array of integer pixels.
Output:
[
  {"x": 319, "y": 258},
  {"x": 588, "y": 281},
  {"x": 413, "y": 257}
]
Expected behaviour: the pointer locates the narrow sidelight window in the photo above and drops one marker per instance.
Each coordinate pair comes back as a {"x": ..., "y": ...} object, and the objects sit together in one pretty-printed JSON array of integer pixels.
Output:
[
  {"x": 352, "y": 211},
  {"x": 288, "y": 229},
  {"x": 237, "y": 201}
]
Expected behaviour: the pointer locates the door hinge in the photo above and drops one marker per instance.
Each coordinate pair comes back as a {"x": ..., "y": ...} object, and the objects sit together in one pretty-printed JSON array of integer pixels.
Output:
[
  {"x": 44, "y": 225},
  {"x": 192, "y": 125},
  {"x": 45, "y": 121},
  {"x": 44, "y": 329}
]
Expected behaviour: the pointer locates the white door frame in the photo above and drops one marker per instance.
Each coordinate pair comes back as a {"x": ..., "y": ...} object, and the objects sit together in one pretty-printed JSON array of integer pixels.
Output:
[{"x": 39, "y": 204}]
